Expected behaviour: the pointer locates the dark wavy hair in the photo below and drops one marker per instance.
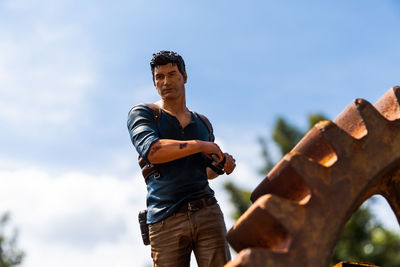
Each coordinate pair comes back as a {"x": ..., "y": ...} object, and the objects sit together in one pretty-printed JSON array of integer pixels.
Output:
[{"x": 165, "y": 57}]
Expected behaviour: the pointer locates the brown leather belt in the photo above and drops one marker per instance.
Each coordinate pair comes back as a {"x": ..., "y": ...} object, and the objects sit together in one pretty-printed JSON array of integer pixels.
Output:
[{"x": 198, "y": 204}]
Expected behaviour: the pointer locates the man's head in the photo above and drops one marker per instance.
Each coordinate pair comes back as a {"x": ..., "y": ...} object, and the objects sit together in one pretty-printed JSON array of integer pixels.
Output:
[
  {"x": 169, "y": 75},
  {"x": 165, "y": 57}
]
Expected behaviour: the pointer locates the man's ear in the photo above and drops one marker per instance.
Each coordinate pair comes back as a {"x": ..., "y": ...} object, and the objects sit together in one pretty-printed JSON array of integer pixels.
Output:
[{"x": 185, "y": 77}]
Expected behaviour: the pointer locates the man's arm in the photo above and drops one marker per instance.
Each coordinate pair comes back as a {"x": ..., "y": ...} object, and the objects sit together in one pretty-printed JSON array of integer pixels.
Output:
[{"x": 165, "y": 150}]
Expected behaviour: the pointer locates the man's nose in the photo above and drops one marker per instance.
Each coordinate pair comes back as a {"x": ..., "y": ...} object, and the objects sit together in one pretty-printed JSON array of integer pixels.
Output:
[{"x": 166, "y": 80}]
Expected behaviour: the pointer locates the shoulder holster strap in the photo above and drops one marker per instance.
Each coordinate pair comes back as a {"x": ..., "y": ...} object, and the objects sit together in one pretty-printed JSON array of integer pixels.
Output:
[
  {"x": 156, "y": 111},
  {"x": 208, "y": 124},
  {"x": 147, "y": 168}
]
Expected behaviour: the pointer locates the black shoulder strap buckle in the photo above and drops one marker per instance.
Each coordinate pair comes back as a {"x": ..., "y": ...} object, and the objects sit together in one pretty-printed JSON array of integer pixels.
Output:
[{"x": 156, "y": 111}]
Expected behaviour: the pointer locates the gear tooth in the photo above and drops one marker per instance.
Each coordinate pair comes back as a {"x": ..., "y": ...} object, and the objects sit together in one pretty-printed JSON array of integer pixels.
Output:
[
  {"x": 351, "y": 122},
  {"x": 289, "y": 213},
  {"x": 371, "y": 117},
  {"x": 341, "y": 142},
  {"x": 396, "y": 91},
  {"x": 315, "y": 146},
  {"x": 389, "y": 104},
  {"x": 314, "y": 174},
  {"x": 258, "y": 228},
  {"x": 283, "y": 181}
]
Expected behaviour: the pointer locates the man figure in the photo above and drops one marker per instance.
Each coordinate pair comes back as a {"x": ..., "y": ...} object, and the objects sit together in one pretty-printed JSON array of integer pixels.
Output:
[{"x": 182, "y": 212}]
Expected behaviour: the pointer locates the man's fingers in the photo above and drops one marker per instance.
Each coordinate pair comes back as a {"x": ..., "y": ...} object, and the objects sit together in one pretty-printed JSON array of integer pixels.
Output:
[
  {"x": 229, "y": 164},
  {"x": 220, "y": 155},
  {"x": 229, "y": 171}
]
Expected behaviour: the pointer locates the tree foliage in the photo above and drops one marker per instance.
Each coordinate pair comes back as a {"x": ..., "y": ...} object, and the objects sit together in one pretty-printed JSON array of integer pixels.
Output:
[
  {"x": 10, "y": 255},
  {"x": 286, "y": 135},
  {"x": 363, "y": 238},
  {"x": 240, "y": 198}
]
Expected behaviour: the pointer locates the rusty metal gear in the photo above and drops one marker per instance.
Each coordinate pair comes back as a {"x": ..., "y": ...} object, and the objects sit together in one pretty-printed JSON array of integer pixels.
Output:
[{"x": 301, "y": 207}]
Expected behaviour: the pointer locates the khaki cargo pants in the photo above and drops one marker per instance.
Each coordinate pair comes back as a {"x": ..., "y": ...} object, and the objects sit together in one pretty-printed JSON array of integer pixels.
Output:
[{"x": 203, "y": 232}]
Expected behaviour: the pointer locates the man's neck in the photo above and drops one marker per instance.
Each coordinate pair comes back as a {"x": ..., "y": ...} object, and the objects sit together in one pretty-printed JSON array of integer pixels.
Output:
[{"x": 176, "y": 107}]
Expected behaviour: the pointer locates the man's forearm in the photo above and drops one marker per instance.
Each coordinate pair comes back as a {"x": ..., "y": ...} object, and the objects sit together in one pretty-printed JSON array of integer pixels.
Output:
[{"x": 165, "y": 150}]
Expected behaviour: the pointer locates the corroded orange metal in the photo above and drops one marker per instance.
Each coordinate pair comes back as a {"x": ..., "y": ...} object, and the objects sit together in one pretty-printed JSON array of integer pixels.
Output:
[
  {"x": 352, "y": 264},
  {"x": 301, "y": 207}
]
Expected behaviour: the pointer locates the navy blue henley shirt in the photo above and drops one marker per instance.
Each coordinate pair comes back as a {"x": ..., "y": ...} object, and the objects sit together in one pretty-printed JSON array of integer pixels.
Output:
[{"x": 180, "y": 180}]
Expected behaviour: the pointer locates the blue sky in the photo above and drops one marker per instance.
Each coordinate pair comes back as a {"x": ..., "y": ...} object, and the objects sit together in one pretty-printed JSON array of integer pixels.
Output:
[{"x": 71, "y": 70}]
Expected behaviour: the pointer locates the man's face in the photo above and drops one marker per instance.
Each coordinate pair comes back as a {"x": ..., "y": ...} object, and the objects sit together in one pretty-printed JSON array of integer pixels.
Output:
[{"x": 169, "y": 82}]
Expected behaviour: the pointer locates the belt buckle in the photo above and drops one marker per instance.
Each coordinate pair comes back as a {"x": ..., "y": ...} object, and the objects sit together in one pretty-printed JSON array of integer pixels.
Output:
[{"x": 192, "y": 207}]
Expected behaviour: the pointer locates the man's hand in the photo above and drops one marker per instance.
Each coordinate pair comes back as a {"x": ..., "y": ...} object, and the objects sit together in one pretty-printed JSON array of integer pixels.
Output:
[
  {"x": 211, "y": 148},
  {"x": 230, "y": 164}
]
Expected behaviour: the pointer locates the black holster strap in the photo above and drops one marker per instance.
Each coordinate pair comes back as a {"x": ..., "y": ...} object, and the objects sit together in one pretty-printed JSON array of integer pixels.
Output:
[{"x": 148, "y": 169}]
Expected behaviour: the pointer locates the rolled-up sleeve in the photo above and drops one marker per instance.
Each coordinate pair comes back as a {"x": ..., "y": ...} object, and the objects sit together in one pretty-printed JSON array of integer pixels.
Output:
[{"x": 142, "y": 129}]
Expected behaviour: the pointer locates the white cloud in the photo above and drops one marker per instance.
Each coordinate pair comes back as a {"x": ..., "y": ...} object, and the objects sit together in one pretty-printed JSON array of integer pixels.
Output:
[
  {"x": 75, "y": 219},
  {"x": 104, "y": 255},
  {"x": 244, "y": 148},
  {"x": 124, "y": 162},
  {"x": 45, "y": 74}
]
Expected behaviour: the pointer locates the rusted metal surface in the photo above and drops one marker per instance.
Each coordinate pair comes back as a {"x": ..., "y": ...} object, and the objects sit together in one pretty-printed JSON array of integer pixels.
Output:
[
  {"x": 301, "y": 207},
  {"x": 353, "y": 264}
]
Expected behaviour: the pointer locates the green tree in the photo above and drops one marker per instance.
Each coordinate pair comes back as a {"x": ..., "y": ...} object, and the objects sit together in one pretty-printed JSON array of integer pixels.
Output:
[
  {"x": 286, "y": 135},
  {"x": 363, "y": 238},
  {"x": 9, "y": 254}
]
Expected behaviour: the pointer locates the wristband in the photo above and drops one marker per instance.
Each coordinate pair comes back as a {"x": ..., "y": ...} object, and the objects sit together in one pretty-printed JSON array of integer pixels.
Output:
[{"x": 218, "y": 169}]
